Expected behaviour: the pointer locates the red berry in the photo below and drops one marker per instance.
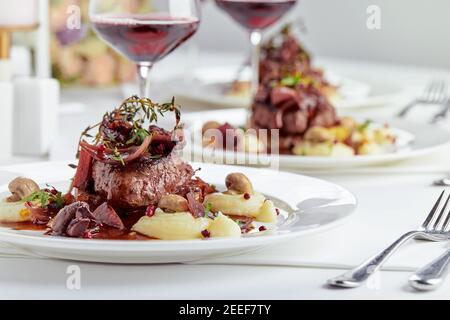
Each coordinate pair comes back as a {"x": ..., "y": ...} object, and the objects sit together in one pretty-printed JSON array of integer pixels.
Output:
[
  {"x": 246, "y": 196},
  {"x": 150, "y": 212},
  {"x": 277, "y": 211},
  {"x": 101, "y": 148},
  {"x": 206, "y": 234},
  {"x": 262, "y": 228}
]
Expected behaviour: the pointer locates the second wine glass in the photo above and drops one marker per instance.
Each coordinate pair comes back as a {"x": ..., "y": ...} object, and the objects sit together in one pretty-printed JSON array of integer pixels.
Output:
[
  {"x": 255, "y": 16},
  {"x": 145, "y": 31}
]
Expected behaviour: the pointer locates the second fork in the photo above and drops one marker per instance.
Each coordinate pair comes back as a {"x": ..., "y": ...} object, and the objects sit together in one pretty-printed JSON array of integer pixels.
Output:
[{"x": 434, "y": 93}]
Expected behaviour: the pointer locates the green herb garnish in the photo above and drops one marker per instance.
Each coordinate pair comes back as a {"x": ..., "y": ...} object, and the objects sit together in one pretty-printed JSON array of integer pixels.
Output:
[
  {"x": 117, "y": 156},
  {"x": 208, "y": 208},
  {"x": 138, "y": 136},
  {"x": 291, "y": 81},
  {"x": 46, "y": 197},
  {"x": 134, "y": 112},
  {"x": 242, "y": 224},
  {"x": 362, "y": 127}
]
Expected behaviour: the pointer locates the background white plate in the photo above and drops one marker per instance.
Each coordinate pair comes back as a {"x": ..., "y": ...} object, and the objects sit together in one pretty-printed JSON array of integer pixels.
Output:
[
  {"x": 426, "y": 138},
  {"x": 208, "y": 84},
  {"x": 318, "y": 205}
]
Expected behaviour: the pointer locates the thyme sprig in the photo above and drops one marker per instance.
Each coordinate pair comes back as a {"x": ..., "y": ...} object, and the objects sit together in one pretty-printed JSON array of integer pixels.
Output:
[{"x": 133, "y": 112}]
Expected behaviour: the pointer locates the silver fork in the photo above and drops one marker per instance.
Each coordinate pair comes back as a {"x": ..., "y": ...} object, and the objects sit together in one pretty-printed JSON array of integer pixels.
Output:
[
  {"x": 435, "y": 93},
  {"x": 441, "y": 115},
  {"x": 432, "y": 229},
  {"x": 433, "y": 274}
]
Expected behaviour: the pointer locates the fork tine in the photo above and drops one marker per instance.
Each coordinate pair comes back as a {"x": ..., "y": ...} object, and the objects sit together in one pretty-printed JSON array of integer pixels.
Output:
[
  {"x": 436, "y": 91},
  {"x": 443, "y": 92},
  {"x": 428, "y": 90},
  {"x": 441, "y": 215},
  {"x": 446, "y": 222},
  {"x": 439, "y": 92},
  {"x": 433, "y": 210}
]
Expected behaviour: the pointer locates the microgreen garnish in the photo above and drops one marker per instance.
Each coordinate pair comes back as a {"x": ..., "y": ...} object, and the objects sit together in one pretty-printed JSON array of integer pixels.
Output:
[
  {"x": 294, "y": 80},
  {"x": 362, "y": 127},
  {"x": 117, "y": 156},
  {"x": 241, "y": 223},
  {"x": 208, "y": 208},
  {"x": 139, "y": 136},
  {"x": 46, "y": 197},
  {"x": 291, "y": 81}
]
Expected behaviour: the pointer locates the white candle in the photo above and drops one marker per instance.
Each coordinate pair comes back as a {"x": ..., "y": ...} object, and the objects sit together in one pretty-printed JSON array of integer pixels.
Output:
[
  {"x": 18, "y": 13},
  {"x": 36, "y": 103},
  {"x": 6, "y": 129}
]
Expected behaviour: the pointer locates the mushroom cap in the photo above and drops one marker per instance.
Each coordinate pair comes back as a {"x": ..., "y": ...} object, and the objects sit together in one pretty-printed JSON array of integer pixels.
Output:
[
  {"x": 174, "y": 203},
  {"x": 21, "y": 188},
  {"x": 239, "y": 182}
]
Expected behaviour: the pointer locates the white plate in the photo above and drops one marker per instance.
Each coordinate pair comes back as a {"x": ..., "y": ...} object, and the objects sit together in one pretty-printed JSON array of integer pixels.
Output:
[
  {"x": 210, "y": 84},
  {"x": 318, "y": 205},
  {"x": 414, "y": 140}
]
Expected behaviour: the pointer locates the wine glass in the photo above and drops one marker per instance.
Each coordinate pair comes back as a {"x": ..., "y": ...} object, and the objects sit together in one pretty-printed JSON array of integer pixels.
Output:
[
  {"x": 256, "y": 16},
  {"x": 144, "y": 31}
]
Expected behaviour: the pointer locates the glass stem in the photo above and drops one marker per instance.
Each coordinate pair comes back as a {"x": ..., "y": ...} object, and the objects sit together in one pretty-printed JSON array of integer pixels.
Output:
[
  {"x": 143, "y": 71},
  {"x": 255, "y": 41}
]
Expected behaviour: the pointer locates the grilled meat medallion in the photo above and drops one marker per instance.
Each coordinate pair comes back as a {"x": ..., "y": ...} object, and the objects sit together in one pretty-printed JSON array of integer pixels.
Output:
[{"x": 141, "y": 183}]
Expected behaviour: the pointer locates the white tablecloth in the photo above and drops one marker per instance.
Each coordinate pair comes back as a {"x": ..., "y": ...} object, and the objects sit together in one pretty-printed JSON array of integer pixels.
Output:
[{"x": 389, "y": 204}]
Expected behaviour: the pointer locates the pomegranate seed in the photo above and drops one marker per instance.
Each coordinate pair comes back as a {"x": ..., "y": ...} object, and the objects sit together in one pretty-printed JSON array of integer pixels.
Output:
[
  {"x": 150, "y": 212},
  {"x": 29, "y": 204},
  {"x": 277, "y": 211},
  {"x": 88, "y": 235},
  {"x": 246, "y": 196},
  {"x": 262, "y": 228},
  {"x": 101, "y": 148},
  {"x": 206, "y": 234}
]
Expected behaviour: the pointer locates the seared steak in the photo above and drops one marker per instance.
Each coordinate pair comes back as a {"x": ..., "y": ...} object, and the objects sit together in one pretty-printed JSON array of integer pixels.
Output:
[{"x": 140, "y": 183}]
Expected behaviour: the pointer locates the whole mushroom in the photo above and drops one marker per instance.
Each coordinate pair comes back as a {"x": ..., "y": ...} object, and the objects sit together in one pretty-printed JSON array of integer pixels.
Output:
[
  {"x": 238, "y": 183},
  {"x": 21, "y": 188},
  {"x": 173, "y": 203}
]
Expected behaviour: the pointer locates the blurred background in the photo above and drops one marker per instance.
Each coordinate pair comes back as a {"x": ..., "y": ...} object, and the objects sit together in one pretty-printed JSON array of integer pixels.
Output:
[
  {"x": 412, "y": 32},
  {"x": 390, "y": 65}
]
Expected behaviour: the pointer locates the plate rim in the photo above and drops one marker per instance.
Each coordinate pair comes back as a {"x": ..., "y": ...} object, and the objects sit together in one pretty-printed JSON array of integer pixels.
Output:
[
  {"x": 36, "y": 240},
  {"x": 182, "y": 90},
  {"x": 314, "y": 162}
]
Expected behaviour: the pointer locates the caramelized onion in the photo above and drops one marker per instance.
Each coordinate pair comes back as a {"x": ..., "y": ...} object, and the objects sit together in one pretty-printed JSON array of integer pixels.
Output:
[
  {"x": 128, "y": 155},
  {"x": 195, "y": 207},
  {"x": 84, "y": 170}
]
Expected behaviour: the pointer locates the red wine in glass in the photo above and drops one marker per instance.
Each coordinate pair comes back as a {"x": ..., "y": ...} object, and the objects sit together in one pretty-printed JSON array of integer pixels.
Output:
[
  {"x": 144, "y": 38},
  {"x": 256, "y": 14}
]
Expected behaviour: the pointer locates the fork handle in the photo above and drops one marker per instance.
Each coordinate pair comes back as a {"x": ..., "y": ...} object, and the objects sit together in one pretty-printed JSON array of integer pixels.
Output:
[
  {"x": 442, "y": 114},
  {"x": 432, "y": 275},
  {"x": 406, "y": 109},
  {"x": 356, "y": 277}
]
